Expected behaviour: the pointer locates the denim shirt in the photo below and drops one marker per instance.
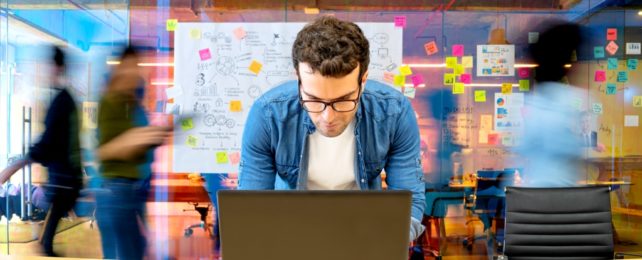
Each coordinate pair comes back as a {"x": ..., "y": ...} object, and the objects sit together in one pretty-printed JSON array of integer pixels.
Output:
[{"x": 274, "y": 150}]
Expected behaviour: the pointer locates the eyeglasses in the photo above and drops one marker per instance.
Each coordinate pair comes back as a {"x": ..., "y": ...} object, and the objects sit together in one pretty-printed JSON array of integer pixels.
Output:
[{"x": 317, "y": 106}]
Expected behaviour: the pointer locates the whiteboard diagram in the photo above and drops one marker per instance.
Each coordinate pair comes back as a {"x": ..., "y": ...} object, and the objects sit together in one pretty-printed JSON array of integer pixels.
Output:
[{"x": 220, "y": 69}]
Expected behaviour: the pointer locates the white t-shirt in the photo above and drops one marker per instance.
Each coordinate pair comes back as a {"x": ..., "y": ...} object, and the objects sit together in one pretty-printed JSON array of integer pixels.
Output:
[{"x": 331, "y": 161}]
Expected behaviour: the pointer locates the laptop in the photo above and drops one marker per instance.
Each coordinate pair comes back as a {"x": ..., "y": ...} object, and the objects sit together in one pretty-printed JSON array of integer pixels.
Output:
[{"x": 314, "y": 225}]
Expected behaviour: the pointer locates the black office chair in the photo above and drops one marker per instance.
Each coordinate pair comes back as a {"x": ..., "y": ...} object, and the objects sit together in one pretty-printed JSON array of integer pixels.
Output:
[{"x": 558, "y": 223}]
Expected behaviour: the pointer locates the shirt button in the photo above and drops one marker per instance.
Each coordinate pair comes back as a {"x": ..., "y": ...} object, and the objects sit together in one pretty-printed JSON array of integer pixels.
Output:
[{"x": 363, "y": 180}]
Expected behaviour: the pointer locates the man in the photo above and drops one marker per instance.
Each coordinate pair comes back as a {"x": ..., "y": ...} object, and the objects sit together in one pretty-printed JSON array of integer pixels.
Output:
[{"x": 333, "y": 130}]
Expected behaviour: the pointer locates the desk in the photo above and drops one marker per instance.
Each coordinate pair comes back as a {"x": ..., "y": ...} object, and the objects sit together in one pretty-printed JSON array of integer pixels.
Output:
[{"x": 613, "y": 166}]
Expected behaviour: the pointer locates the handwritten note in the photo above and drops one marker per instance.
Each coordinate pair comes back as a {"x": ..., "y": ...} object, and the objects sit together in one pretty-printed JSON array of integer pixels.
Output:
[
  {"x": 170, "y": 24},
  {"x": 409, "y": 92},
  {"x": 405, "y": 70},
  {"x": 458, "y": 88},
  {"x": 507, "y": 88},
  {"x": 431, "y": 48},
  {"x": 524, "y": 85},
  {"x": 205, "y": 54},
  {"x": 458, "y": 50},
  {"x": 400, "y": 21},
  {"x": 612, "y": 63},
  {"x": 611, "y": 34},
  {"x": 633, "y": 48},
  {"x": 533, "y": 37},
  {"x": 600, "y": 76},
  {"x": 187, "y": 124},
  {"x": 597, "y": 108},
  {"x": 467, "y": 61},
  {"x": 451, "y": 62},
  {"x": 631, "y": 121},
  {"x": 632, "y": 64},
  {"x": 235, "y": 106},
  {"x": 611, "y": 48},
  {"x": 637, "y": 101},
  {"x": 255, "y": 67},
  {"x": 598, "y": 52},
  {"x": 465, "y": 78},
  {"x": 221, "y": 158},
  {"x": 449, "y": 78},
  {"x": 480, "y": 96}
]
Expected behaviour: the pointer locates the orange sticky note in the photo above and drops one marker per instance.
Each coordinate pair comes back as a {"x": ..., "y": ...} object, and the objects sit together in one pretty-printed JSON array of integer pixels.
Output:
[
  {"x": 431, "y": 48},
  {"x": 221, "y": 158},
  {"x": 507, "y": 88},
  {"x": 255, "y": 67},
  {"x": 235, "y": 106}
]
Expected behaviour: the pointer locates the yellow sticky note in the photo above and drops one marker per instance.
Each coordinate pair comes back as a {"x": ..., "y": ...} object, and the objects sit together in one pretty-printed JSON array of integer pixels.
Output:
[
  {"x": 524, "y": 85},
  {"x": 458, "y": 88},
  {"x": 255, "y": 67},
  {"x": 451, "y": 62},
  {"x": 459, "y": 69},
  {"x": 405, "y": 70},
  {"x": 467, "y": 61},
  {"x": 449, "y": 78},
  {"x": 637, "y": 101},
  {"x": 221, "y": 158},
  {"x": 171, "y": 24},
  {"x": 507, "y": 88},
  {"x": 195, "y": 34},
  {"x": 187, "y": 124},
  {"x": 400, "y": 80},
  {"x": 480, "y": 95},
  {"x": 235, "y": 106},
  {"x": 191, "y": 141}
]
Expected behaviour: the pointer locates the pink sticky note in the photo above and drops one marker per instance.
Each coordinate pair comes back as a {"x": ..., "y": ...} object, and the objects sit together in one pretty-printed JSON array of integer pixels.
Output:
[
  {"x": 417, "y": 79},
  {"x": 493, "y": 139},
  {"x": 235, "y": 158},
  {"x": 239, "y": 33},
  {"x": 465, "y": 78},
  {"x": 600, "y": 76},
  {"x": 205, "y": 54},
  {"x": 524, "y": 73},
  {"x": 611, "y": 34},
  {"x": 400, "y": 21},
  {"x": 611, "y": 48},
  {"x": 458, "y": 50},
  {"x": 389, "y": 77}
]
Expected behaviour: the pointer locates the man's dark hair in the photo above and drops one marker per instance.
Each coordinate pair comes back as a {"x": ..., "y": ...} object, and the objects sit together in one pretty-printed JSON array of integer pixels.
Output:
[
  {"x": 554, "y": 49},
  {"x": 128, "y": 52},
  {"x": 58, "y": 57},
  {"x": 332, "y": 47}
]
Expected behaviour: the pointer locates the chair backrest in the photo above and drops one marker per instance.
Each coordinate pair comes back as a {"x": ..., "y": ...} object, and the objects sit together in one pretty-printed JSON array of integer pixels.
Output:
[{"x": 558, "y": 223}]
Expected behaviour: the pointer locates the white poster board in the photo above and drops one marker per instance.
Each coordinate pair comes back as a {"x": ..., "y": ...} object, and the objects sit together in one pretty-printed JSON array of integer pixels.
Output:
[
  {"x": 495, "y": 60},
  {"x": 509, "y": 112},
  {"x": 220, "y": 69}
]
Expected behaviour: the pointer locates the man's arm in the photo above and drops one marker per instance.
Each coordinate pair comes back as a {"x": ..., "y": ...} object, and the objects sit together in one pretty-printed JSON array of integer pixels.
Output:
[
  {"x": 403, "y": 168},
  {"x": 257, "y": 169}
]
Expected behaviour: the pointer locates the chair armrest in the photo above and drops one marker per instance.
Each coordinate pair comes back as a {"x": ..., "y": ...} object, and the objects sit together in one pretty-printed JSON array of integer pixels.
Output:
[{"x": 622, "y": 255}]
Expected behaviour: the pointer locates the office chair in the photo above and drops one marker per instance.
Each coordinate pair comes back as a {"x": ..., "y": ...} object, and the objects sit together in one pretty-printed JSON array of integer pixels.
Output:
[
  {"x": 203, "y": 211},
  {"x": 559, "y": 223}
]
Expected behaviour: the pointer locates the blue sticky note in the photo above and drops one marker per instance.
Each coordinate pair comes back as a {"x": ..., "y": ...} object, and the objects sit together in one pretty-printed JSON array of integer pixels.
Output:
[
  {"x": 632, "y": 64},
  {"x": 598, "y": 52},
  {"x": 612, "y": 63},
  {"x": 622, "y": 76},
  {"x": 611, "y": 89}
]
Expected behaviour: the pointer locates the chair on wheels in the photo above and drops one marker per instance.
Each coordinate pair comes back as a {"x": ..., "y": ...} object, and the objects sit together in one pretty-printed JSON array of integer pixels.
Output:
[
  {"x": 203, "y": 211},
  {"x": 559, "y": 223},
  {"x": 435, "y": 211}
]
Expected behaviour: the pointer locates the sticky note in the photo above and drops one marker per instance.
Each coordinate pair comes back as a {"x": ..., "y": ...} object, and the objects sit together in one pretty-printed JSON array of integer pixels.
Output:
[
  {"x": 637, "y": 101},
  {"x": 235, "y": 157},
  {"x": 221, "y": 158},
  {"x": 255, "y": 67},
  {"x": 400, "y": 80},
  {"x": 417, "y": 80},
  {"x": 458, "y": 88},
  {"x": 507, "y": 88},
  {"x": 467, "y": 61},
  {"x": 205, "y": 54},
  {"x": 533, "y": 37},
  {"x": 622, "y": 76},
  {"x": 187, "y": 124},
  {"x": 524, "y": 85},
  {"x": 611, "y": 48},
  {"x": 480, "y": 95},
  {"x": 451, "y": 62},
  {"x": 523, "y": 73},
  {"x": 611, "y": 89},
  {"x": 195, "y": 34},
  {"x": 459, "y": 69},
  {"x": 465, "y": 78},
  {"x": 598, "y": 52},
  {"x": 239, "y": 33},
  {"x": 483, "y": 137},
  {"x": 611, "y": 34},
  {"x": 458, "y": 50},
  {"x": 600, "y": 76},
  {"x": 191, "y": 141},
  {"x": 597, "y": 108},
  {"x": 171, "y": 24},
  {"x": 405, "y": 70},
  {"x": 431, "y": 48},
  {"x": 632, "y": 64},
  {"x": 612, "y": 63},
  {"x": 633, "y": 48},
  {"x": 507, "y": 141},
  {"x": 409, "y": 92},
  {"x": 400, "y": 21},
  {"x": 493, "y": 139},
  {"x": 449, "y": 78},
  {"x": 389, "y": 77},
  {"x": 235, "y": 106},
  {"x": 631, "y": 121}
]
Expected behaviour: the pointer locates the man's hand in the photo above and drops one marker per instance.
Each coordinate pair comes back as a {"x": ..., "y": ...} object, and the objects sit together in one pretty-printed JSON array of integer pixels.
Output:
[
  {"x": 416, "y": 229},
  {"x": 599, "y": 148},
  {"x": 133, "y": 142}
]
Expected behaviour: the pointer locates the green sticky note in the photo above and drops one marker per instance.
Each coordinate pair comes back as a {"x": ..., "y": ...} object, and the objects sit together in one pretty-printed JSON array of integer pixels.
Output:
[
  {"x": 187, "y": 124},
  {"x": 622, "y": 76},
  {"x": 221, "y": 158},
  {"x": 449, "y": 78},
  {"x": 451, "y": 62},
  {"x": 171, "y": 24},
  {"x": 632, "y": 64},
  {"x": 598, "y": 52},
  {"x": 458, "y": 88},
  {"x": 480, "y": 95},
  {"x": 524, "y": 85},
  {"x": 612, "y": 63},
  {"x": 191, "y": 141},
  {"x": 611, "y": 89}
]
